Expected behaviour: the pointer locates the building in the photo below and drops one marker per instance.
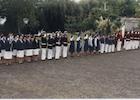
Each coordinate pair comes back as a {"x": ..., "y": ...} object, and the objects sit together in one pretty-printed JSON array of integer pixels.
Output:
[{"x": 131, "y": 23}]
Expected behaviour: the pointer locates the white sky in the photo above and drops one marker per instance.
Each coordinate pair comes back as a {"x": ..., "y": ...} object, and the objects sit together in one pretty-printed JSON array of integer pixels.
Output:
[{"x": 77, "y": 0}]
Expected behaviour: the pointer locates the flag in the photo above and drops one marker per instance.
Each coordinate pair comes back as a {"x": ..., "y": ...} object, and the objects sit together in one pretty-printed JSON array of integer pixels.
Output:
[{"x": 123, "y": 30}]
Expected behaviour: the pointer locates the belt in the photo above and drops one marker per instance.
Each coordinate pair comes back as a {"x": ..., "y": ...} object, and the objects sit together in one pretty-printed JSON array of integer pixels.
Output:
[
  {"x": 58, "y": 43},
  {"x": 43, "y": 43},
  {"x": 50, "y": 45}
]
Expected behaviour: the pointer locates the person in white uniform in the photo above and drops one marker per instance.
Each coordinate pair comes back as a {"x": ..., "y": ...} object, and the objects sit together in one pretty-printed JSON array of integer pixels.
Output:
[
  {"x": 8, "y": 52},
  {"x": 113, "y": 44},
  {"x": 65, "y": 45},
  {"x": 53, "y": 48},
  {"x": 132, "y": 39},
  {"x": 61, "y": 48},
  {"x": 110, "y": 45},
  {"x": 2, "y": 48},
  {"x": 20, "y": 49},
  {"x": 106, "y": 44},
  {"x": 29, "y": 49},
  {"x": 50, "y": 47},
  {"x": 119, "y": 43},
  {"x": 44, "y": 47},
  {"x": 36, "y": 48},
  {"x": 14, "y": 48},
  {"x": 58, "y": 46},
  {"x": 102, "y": 40}
]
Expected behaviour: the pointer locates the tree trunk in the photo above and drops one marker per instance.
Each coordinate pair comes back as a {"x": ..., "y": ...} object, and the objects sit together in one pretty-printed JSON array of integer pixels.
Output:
[{"x": 18, "y": 30}]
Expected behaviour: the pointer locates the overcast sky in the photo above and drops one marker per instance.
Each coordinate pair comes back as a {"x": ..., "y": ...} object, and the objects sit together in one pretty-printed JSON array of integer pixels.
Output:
[{"x": 77, "y": 0}]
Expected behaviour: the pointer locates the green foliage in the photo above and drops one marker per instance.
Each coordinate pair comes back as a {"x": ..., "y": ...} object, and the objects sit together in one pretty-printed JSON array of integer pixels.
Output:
[
  {"x": 52, "y": 15},
  {"x": 138, "y": 13}
]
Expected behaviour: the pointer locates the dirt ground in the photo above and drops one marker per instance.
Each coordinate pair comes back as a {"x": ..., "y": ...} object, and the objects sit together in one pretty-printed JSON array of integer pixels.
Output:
[{"x": 114, "y": 75}]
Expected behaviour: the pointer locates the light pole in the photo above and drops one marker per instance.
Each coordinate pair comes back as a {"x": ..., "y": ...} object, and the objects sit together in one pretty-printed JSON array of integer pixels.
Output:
[
  {"x": 26, "y": 21},
  {"x": 2, "y": 20}
]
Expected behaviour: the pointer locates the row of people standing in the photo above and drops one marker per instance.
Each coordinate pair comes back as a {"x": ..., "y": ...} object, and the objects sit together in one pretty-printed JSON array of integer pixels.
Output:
[
  {"x": 131, "y": 40},
  {"x": 57, "y": 46},
  {"x": 95, "y": 43},
  {"x": 27, "y": 48},
  {"x": 22, "y": 47}
]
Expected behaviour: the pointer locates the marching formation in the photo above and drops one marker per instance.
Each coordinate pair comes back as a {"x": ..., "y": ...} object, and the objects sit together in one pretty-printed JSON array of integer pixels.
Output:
[{"x": 20, "y": 48}]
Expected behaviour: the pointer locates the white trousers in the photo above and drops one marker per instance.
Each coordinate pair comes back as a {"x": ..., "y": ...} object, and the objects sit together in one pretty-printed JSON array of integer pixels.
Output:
[
  {"x": 60, "y": 54},
  {"x": 43, "y": 54},
  {"x": 65, "y": 49},
  {"x": 112, "y": 47},
  {"x": 102, "y": 48},
  {"x": 119, "y": 46},
  {"x": 106, "y": 48},
  {"x": 124, "y": 44},
  {"x": 53, "y": 52},
  {"x": 137, "y": 46},
  {"x": 0, "y": 56},
  {"x": 128, "y": 46},
  {"x": 49, "y": 54},
  {"x": 132, "y": 44},
  {"x": 57, "y": 52}
]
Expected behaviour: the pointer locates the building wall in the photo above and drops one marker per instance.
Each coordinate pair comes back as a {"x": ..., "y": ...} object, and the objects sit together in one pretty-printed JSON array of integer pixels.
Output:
[{"x": 131, "y": 23}]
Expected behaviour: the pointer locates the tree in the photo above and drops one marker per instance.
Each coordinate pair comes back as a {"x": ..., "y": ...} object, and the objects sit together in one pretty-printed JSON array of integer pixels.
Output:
[
  {"x": 138, "y": 13},
  {"x": 16, "y": 11}
]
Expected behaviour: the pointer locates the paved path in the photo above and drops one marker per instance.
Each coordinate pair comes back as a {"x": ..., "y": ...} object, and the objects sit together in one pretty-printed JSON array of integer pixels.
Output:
[{"x": 115, "y": 75}]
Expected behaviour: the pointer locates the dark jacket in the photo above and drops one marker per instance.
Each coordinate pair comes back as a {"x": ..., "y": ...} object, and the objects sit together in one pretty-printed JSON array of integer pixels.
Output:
[
  {"x": 28, "y": 44},
  {"x": 44, "y": 42},
  {"x": 7, "y": 46},
  {"x": 102, "y": 40},
  {"x": 2, "y": 44},
  {"x": 106, "y": 40},
  {"x": 50, "y": 43},
  {"x": 20, "y": 45},
  {"x": 36, "y": 44},
  {"x": 14, "y": 45},
  {"x": 65, "y": 41},
  {"x": 58, "y": 41}
]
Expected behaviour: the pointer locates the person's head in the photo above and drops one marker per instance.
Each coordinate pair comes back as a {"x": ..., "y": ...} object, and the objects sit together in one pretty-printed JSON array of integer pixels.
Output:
[
  {"x": 53, "y": 35},
  {"x": 58, "y": 35},
  {"x": 103, "y": 36},
  {"x": 36, "y": 37},
  {"x": 32, "y": 38},
  {"x": 20, "y": 37},
  {"x": 28, "y": 37},
  {"x": 66, "y": 35},
  {"x": 108, "y": 35},
  {"x": 24, "y": 37},
  {"x": 3, "y": 37},
  {"x": 90, "y": 34},
  {"x": 1, "y": 34},
  {"x": 8, "y": 38},
  {"x": 15, "y": 37},
  {"x": 98, "y": 36},
  {"x": 93, "y": 36}
]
